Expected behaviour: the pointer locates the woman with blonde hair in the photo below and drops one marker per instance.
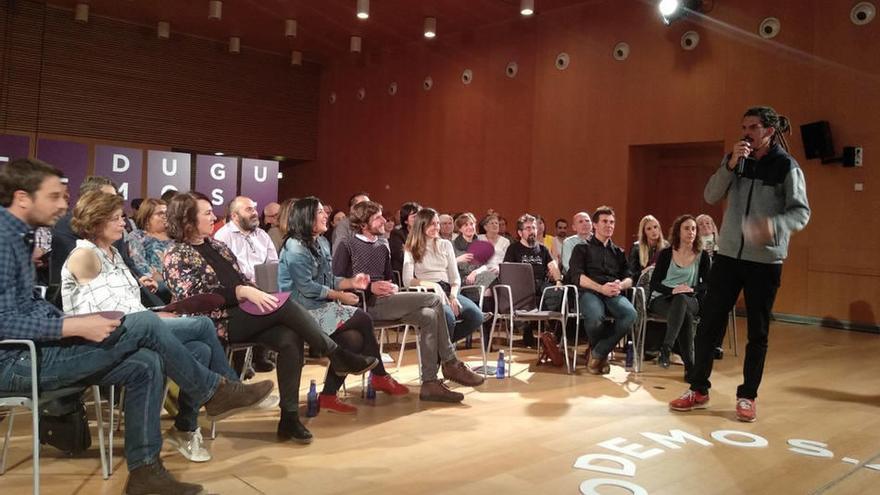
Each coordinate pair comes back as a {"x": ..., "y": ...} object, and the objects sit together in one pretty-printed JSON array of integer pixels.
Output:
[
  {"x": 429, "y": 258},
  {"x": 644, "y": 251}
]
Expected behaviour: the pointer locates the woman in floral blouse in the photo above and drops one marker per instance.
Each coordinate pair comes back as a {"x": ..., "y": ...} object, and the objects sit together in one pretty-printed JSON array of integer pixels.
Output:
[
  {"x": 148, "y": 244},
  {"x": 198, "y": 264}
]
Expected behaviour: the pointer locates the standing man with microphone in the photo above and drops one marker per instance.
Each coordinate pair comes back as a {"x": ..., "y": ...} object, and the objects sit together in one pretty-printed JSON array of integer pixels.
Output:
[{"x": 766, "y": 202}]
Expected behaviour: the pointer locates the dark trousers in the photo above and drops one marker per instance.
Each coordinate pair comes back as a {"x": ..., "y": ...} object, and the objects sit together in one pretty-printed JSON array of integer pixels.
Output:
[
  {"x": 283, "y": 331},
  {"x": 759, "y": 283},
  {"x": 679, "y": 311}
]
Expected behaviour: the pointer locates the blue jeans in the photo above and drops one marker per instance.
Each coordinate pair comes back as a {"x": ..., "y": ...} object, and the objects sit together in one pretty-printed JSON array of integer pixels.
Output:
[
  {"x": 199, "y": 335},
  {"x": 593, "y": 310},
  {"x": 470, "y": 315},
  {"x": 137, "y": 355}
]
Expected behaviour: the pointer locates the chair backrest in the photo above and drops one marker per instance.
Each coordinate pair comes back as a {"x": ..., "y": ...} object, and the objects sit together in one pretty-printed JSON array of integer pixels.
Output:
[
  {"x": 521, "y": 279},
  {"x": 266, "y": 277}
]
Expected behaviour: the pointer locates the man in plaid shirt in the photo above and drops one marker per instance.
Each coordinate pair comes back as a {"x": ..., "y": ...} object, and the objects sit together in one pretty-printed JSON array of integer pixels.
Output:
[{"x": 92, "y": 349}]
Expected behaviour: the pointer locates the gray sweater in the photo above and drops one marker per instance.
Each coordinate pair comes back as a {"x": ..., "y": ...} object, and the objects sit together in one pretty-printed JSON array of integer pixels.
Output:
[{"x": 772, "y": 187}]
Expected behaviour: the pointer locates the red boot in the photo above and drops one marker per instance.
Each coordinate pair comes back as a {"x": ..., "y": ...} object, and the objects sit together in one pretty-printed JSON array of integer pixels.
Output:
[{"x": 384, "y": 383}]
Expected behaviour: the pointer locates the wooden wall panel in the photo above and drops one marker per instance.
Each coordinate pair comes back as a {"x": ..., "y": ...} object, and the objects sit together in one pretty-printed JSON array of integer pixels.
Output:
[
  {"x": 557, "y": 142},
  {"x": 106, "y": 79}
]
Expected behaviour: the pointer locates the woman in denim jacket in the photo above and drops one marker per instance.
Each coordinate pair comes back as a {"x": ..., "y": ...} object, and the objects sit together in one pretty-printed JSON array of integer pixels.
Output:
[{"x": 304, "y": 270}]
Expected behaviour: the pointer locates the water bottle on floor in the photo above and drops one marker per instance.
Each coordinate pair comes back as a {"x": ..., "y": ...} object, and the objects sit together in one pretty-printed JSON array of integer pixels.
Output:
[
  {"x": 371, "y": 392},
  {"x": 630, "y": 356},
  {"x": 312, "y": 406},
  {"x": 499, "y": 369}
]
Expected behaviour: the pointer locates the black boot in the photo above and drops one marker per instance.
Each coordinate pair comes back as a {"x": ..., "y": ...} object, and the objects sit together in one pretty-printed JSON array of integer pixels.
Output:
[
  {"x": 349, "y": 363},
  {"x": 262, "y": 361},
  {"x": 290, "y": 428},
  {"x": 153, "y": 478},
  {"x": 718, "y": 353},
  {"x": 663, "y": 360}
]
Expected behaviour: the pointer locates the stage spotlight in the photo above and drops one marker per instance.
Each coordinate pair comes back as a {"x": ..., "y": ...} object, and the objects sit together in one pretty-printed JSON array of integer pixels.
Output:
[{"x": 672, "y": 10}]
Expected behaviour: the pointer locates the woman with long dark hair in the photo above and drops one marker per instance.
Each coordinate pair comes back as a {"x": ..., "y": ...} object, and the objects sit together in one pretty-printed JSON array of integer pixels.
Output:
[
  {"x": 305, "y": 271},
  {"x": 198, "y": 264},
  {"x": 430, "y": 258},
  {"x": 677, "y": 287},
  {"x": 398, "y": 236}
]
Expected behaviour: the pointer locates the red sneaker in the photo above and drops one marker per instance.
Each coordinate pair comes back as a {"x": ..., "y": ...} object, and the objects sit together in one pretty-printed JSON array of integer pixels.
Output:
[
  {"x": 745, "y": 410},
  {"x": 384, "y": 383},
  {"x": 689, "y": 401},
  {"x": 331, "y": 403}
]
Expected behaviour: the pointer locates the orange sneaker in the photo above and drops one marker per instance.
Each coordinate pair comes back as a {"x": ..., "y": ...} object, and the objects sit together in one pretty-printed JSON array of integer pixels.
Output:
[
  {"x": 689, "y": 401},
  {"x": 745, "y": 410},
  {"x": 384, "y": 383},
  {"x": 331, "y": 403}
]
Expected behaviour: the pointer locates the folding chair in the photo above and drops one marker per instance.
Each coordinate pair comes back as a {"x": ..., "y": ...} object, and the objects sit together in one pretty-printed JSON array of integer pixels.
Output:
[
  {"x": 34, "y": 401},
  {"x": 515, "y": 301}
]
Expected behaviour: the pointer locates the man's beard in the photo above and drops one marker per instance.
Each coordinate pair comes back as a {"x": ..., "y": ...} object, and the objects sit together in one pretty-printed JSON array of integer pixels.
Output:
[
  {"x": 531, "y": 239},
  {"x": 248, "y": 224}
]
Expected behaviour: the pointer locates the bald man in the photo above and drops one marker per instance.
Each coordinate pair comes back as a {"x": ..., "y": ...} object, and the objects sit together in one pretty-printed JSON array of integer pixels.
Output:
[
  {"x": 251, "y": 245},
  {"x": 583, "y": 230}
]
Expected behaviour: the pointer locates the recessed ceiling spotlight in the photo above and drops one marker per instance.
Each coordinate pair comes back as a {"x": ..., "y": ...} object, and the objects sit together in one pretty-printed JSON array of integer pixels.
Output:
[
  {"x": 215, "y": 9},
  {"x": 363, "y": 9},
  {"x": 527, "y": 7},
  {"x": 430, "y": 27}
]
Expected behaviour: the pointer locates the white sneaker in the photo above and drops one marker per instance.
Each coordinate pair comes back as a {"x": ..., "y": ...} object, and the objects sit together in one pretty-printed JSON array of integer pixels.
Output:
[{"x": 189, "y": 443}]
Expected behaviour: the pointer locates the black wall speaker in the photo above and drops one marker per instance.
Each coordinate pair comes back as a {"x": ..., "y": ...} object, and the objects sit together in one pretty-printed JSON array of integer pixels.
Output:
[{"x": 817, "y": 140}]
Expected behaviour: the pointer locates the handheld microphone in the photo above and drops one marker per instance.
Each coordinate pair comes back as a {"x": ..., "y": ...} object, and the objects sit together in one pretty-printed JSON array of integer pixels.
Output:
[{"x": 741, "y": 162}]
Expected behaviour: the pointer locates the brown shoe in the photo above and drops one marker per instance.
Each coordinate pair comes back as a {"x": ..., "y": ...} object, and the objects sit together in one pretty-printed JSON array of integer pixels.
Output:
[
  {"x": 597, "y": 366},
  {"x": 233, "y": 397},
  {"x": 436, "y": 391},
  {"x": 154, "y": 478},
  {"x": 458, "y": 372}
]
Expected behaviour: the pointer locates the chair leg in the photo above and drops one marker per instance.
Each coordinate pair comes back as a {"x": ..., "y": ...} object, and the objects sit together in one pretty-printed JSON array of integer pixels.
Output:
[
  {"x": 402, "y": 347},
  {"x": 110, "y": 429},
  {"x": 99, "y": 416},
  {"x": 6, "y": 442},
  {"x": 565, "y": 344},
  {"x": 35, "y": 416}
]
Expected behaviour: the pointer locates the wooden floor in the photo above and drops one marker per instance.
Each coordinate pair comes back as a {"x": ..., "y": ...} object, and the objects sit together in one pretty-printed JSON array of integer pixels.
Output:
[{"x": 525, "y": 434}]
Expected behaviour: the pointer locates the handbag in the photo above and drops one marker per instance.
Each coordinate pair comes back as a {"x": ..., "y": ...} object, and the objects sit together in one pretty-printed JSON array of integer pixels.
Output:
[
  {"x": 550, "y": 352},
  {"x": 65, "y": 426}
]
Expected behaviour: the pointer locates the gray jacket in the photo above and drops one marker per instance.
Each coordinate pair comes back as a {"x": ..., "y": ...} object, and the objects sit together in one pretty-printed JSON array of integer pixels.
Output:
[{"x": 772, "y": 187}]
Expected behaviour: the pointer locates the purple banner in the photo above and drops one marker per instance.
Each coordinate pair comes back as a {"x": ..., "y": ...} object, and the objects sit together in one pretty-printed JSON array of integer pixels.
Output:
[
  {"x": 69, "y": 157},
  {"x": 124, "y": 166},
  {"x": 259, "y": 181},
  {"x": 12, "y": 147},
  {"x": 167, "y": 170},
  {"x": 216, "y": 177}
]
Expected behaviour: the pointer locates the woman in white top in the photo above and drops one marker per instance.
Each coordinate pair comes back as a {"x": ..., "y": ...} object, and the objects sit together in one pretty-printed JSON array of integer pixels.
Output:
[
  {"x": 491, "y": 225},
  {"x": 429, "y": 258},
  {"x": 94, "y": 278}
]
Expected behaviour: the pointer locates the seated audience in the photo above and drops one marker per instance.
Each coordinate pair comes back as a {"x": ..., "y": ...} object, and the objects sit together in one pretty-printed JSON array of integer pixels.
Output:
[
  {"x": 469, "y": 269},
  {"x": 708, "y": 233},
  {"x": 269, "y": 218},
  {"x": 561, "y": 233},
  {"x": 492, "y": 226},
  {"x": 397, "y": 239},
  {"x": 199, "y": 264},
  {"x": 600, "y": 271},
  {"x": 645, "y": 250},
  {"x": 502, "y": 228},
  {"x": 94, "y": 278},
  {"x": 305, "y": 272},
  {"x": 136, "y": 353},
  {"x": 343, "y": 230},
  {"x": 335, "y": 218},
  {"x": 147, "y": 245},
  {"x": 279, "y": 231},
  {"x": 367, "y": 252},
  {"x": 678, "y": 284},
  {"x": 583, "y": 230},
  {"x": 447, "y": 227},
  {"x": 429, "y": 258}
]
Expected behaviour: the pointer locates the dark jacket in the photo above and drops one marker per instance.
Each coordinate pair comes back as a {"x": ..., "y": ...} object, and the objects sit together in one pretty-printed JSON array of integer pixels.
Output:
[{"x": 600, "y": 263}]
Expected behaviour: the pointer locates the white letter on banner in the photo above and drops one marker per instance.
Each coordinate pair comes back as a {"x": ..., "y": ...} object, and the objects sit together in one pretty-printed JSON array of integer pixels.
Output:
[
  {"x": 218, "y": 171},
  {"x": 120, "y": 163},
  {"x": 675, "y": 437},
  {"x": 217, "y": 195},
  {"x": 756, "y": 441},
  {"x": 589, "y": 487},
  {"x": 167, "y": 188},
  {"x": 631, "y": 449},
  {"x": 810, "y": 447},
  {"x": 123, "y": 190},
  {"x": 173, "y": 171},
  {"x": 627, "y": 467},
  {"x": 257, "y": 174}
]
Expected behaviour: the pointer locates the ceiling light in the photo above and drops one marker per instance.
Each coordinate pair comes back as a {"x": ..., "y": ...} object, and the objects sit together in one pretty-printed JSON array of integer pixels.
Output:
[
  {"x": 163, "y": 30},
  {"x": 355, "y": 44},
  {"x": 671, "y": 10},
  {"x": 218, "y": 153},
  {"x": 234, "y": 44},
  {"x": 215, "y": 9},
  {"x": 81, "y": 12},
  {"x": 290, "y": 28},
  {"x": 363, "y": 9},
  {"x": 430, "y": 27},
  {"x": 296, "y": 57},
  {"x": 527, "y": 7}
]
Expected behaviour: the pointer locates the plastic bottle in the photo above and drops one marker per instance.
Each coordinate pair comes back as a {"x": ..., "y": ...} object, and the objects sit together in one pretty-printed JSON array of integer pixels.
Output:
[
  {"x": 629, "y": 354},
  {"x": 499, "y": 370},
  {"x": 313, "y": 406},
  {"x": 371, "y": 392}
]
